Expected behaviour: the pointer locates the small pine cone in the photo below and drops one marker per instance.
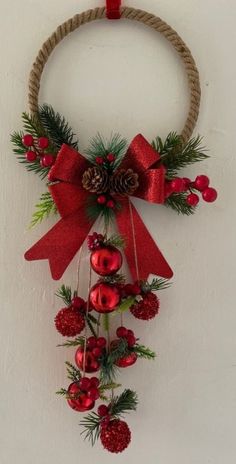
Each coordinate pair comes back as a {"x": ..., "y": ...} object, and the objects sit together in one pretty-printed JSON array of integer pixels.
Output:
[
  {"x": 95, "y": 180},
  {"x": 116, "y": 436},
  {"x": 69, "y": 322},
  {"x": 147, "y": 308},
  {"x": 124, "y": 182}
]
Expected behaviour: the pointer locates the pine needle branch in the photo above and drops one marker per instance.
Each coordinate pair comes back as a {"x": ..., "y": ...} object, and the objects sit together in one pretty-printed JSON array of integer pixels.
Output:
[
  {"x": 177, "y": 202},
  {"x": 144, "y": 352},
  {"x": 124, "y": 403},
  {"x": 20, "y": 150},
  {"x": 91, "y": 424},
  {"x": 108, "y": 368},
  {"x": 115, "y": 240},
  {"x": 44, "y": 208},
  {"x": 78, "y": 341},
  {"x": 57, "y": 128},
  {"x": 100, "y": 147},
  {"x": 65, "y": 293},
  {"x": 155, "y": 285},
  {"x": 73, "y": 373}
]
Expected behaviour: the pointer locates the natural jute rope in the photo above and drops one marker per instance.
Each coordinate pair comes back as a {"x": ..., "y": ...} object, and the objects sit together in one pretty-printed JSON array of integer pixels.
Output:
[{"x": 128, "y": 13}]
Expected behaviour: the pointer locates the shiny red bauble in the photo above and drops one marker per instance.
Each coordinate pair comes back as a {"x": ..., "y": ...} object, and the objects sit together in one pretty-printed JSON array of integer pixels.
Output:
[
  {"x": 79, "y": 401},
  {"x": 43, "y": 143},
  {"x": 116, "y": 436},
  {"x": 178, "y": 185},
  {"x": 47, "y": 160},
  {"x": 192, "y": 199},
  {"x": 106, "y": 260},
  {"x": 127, "y": 360},
  {"x": 201, "y": 182},
  {"x": 209, "y": 195},
  {"x": 85, "y": 360},
  {"x": 104, "y": 298},
  {"x": 28, "y": 140}
]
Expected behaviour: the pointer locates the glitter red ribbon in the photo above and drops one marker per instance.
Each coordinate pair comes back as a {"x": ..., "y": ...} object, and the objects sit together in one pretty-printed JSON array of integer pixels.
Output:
[
  {"x": 63, "y": 241},
  {"x": 113, "y": 9}
]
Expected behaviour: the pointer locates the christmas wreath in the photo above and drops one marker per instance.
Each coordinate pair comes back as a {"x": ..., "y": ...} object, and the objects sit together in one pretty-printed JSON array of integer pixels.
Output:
[{"x": 100, "y": 183}]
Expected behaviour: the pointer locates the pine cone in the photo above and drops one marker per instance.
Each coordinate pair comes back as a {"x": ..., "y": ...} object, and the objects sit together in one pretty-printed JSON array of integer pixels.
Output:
[
  {"x": 124, "y": 182},
  {"x": 95, "y": 180}
]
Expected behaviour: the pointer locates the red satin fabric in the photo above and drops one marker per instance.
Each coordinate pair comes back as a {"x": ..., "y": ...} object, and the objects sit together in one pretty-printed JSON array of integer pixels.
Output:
[
  {"x": 63, "y": 241},
  {"x": 113, "y": 9}
]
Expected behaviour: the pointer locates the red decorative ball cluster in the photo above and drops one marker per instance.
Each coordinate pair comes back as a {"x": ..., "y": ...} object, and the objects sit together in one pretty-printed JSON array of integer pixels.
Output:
[
  {"x": 70, "y": 321},
  {"x": 36, "y": 150},
  {"x": 95, "y": 241},
  {"x": 116, "y": 436},
  {"x": 147, "y": 308},
  {"x": 201, "y": 183},
  {"x": 89, "y": 359},
  {"x": 106, "y": 160},
  {"x": 83, "y": 394},
  {"x": 106, "y": 201}
]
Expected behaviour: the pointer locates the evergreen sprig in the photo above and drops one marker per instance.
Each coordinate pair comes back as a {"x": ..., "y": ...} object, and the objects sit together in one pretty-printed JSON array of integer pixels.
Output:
[
  {"x": 73, "y": 373},
  {"x": 177, "y": 202},
  {"x": 56, "y": 127},
  {"x": 20, "y": 150},
  {"x": 114, "y": 279},
  {"x": 65, "y": 293},
  {"x": 115, "y": 240},
  {"x": 144, "y": 352},
  {"x": 126, "y": 402},
  {"x": 155, "y": 285},
  {"x": 44, "y": 208},
  {"x": 100, "y": 147},
  {"x": 62, "y": 392},
  {"x": 108, "y": 369},
  {"x": 78, "y": 341},
  {"x": 126, "y": 304},
  {"x": 91, "y": 424}
]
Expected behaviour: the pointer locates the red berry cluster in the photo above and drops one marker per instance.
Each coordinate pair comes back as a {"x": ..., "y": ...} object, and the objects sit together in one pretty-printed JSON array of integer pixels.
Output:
[
  {"x": 127, "y": 334},
  {"x": 107, "y": 201},
  {"x": 106, "y": 160},
  {"x": 83, "y": 394},
  {"x": 201, "y": 183},
  {"x": 89, "y": 359},
  {"x": 95, "y": 241},
  {"x": 37, "y": 149}
]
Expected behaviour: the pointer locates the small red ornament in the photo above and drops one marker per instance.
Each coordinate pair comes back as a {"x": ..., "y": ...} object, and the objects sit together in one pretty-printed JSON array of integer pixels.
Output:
[
  {"x": 116, "y": 436},
  {"x": 187, "y": 183},
  {"x": 95, "y": 241},
  {"x": 178, "y": 185},
  {"x": 99, "y": 160},
  {"x": 47, "y": 160},
  {"x": 106, "y": 260},
  {"x": 84, "y": 384},
  {"x": 121, "y": 332},
  {"x": 101, "y": 200},
  {"x": 103, "y": 410},
  {"x": 28, "y": 140},
  {"x": 94, "y": 382},
  {"x": 101, "y": 342},
  {"x": 110, "y": 204},
  {"x": 147, "y": 308},
  {"x": 111, "y": 157},
  {"x": 79, "y": 401},
  {"x": 43, "y": 143},
  {"x": 93, "y": 393},
  {"x": 201, "y": 183},
  {"x": 91, "y": 364},
  {"x": 104, "y": 298},
  {"x": 78, "y": 303},
  {"x": 209, "y": 195},
  {"x": 97, "y": 352},
  {"x": 127, "y": 360},
  {"x": 192, "y": 199},
  {"x": 31, "y": 156},
  {"x": 132, "y": 289},
  {"x": 91, "y": 343},
  {"x": 69, "y": 322}
]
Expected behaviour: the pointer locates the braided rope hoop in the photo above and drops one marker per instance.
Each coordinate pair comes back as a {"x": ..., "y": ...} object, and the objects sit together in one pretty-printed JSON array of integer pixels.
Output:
[{"x": 126, "y": 13}]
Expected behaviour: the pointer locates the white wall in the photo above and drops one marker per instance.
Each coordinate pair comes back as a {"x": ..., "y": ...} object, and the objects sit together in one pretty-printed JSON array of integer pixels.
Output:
[{"x": 126, "y": 78}]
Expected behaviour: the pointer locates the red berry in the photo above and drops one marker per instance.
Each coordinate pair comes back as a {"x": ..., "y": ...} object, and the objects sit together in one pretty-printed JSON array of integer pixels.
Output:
[
  {"x": 130, "y": 332},
  {"x": 110, "y": 204},
  {"x": 111, "y": 157},
  {"x": 47, "y": 160},
  {"x": 105, "y": 422},
  {"x": 187, "y": 182},
  {"x": 78, "y": 302},
  {"x": 85, "y": 384},
  {"x": 101, "y": 342},
  {"x": 178, "y": 185},
  {"x": 31, "y": 156},
  {"x": 93, "y": 393},
  {"x": 192, "y": 199},
  {"x": 168, "y": 189},
  {"x": 28, "y": 140},
  {"x": 91, "y": 342},
  {"x": 201, "y": 183},
  {"x": 132, "y": 289},
  {"x": 97, "y": 352},
  {"x": 209, "y": 195},
  {"x": 101, "y": 199},
  {"x": 43, "y": 142},
  {"x": 121, "y": 332},
  {"x": 103, "y": 410},
  {"x": 131, "y": 340},
  {"x": 94, "y": 382},
  {"x": 99, "y": 160}
]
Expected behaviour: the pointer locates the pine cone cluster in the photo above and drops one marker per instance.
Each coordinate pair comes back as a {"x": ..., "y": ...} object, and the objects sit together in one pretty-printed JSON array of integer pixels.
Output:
[{"x": 97, "y": 180}]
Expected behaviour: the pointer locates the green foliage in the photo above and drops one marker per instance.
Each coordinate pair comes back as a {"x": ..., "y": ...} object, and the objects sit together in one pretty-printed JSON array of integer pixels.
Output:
[
  {"x": 100, "y": 147},
  {"x": 90, "y": 323},
  {"x": 65, "y": 294},
  {"x": 62, "y": 392},
  {"x": 91, "y": 424},
  {"x": 175, "y": 155},
  {"x": 44, "y": 208},
  {"x": 78, "y": 341},
  {"x": 115, "y": 240},
  {"x": 155, "y": 285},
  {"x": 124, "y": 403},
  {"x": 106, "y": 322},
  {"x": 114, "y": 279},
  {"x": 144, "y": 352},
  {"x": 108, "y": 369},
  {"x": 56, "y": 127},
  {"x": 19, "y": 150},
  {"x": 177, "y": 202},
  {"x": 73, "y": 373},
  {"x": 126, "y": 304}
]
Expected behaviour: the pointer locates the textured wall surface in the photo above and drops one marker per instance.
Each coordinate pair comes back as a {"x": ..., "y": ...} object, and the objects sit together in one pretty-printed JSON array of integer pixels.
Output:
[{"x": 124, "y": 78}]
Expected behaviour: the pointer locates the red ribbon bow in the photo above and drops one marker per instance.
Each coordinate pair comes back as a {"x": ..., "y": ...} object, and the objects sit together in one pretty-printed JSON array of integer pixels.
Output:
[{"x": 63, "y": 241}]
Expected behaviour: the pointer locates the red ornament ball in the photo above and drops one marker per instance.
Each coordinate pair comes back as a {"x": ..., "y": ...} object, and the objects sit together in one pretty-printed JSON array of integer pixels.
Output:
[
  {"x": 192, "y": 199},
  {"x": 47, "y": 160},
  {"x": 111, "y": 157},
  {"x": 178, "y": 185},
  {"x": 127, "y": 360},
  {"x": 91, "y": 343},
  {"x": 99, "y": 160},
  {"x": 69, "y": 322},
  {"x": 28, "y": 140},
  {"x": 103, "y": 410},
  {"x": 78, "y": 400},
  {"x": 86, "y": 360},
  {"x": 101, "y": 200},
  {"x": 147, "y": 308},
  {"x": 101, "y": 342},
  {"x": 43, "y": 143},
  {"x": 201, "y": 182},
  {"x": 31, "y": 156},
  {"x": 121, "y": 332},
  {"x": 110, "y": 204},
  {"x": 94, "y": 393},
  {"x": 116, "y": 436},
  {"x": 104, "y": 298},
  {"x": 78, "y": 303},
  {"x": 84, "y": 384},
  {"x": 209, "y": 195},
  {"x": 106, "y": 260}
]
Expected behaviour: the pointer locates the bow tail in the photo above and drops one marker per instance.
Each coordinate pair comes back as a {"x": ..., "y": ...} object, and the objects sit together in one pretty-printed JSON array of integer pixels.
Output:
[
  {"x": 61, "y": 243},
  {"x": 149, "y": 258}
]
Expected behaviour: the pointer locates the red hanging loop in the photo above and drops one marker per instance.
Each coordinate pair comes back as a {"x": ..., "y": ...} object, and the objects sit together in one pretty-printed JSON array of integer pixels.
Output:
[{"x": 113, "y": 9}]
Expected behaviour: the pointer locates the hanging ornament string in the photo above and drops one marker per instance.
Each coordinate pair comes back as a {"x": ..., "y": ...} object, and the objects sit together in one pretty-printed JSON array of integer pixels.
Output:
[{"x": 134, "y": 240}]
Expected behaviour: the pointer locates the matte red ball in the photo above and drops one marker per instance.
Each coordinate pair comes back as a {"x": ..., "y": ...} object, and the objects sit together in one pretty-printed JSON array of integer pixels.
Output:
[
  {"x": 103, "y": 410},
  {"x": 84, "y": 384},
  {"x": 47, "y": 160},
  {"x": 121, "y": 332},
  {"x": 104, "y": 297},
  {"x": 101, "y": 200},
  {"x": 97, "y": 351},
  {"x": 31, "y": 156},
  {"x": 28, "y": 140},
  {"x": 43, "y": 142},
  {"x": 94, "y": 382},
  {"x": 192, "y": 199},
  {"x": 110, "y": 204},
  {"x": 209, "y": 195},
  {"x": 99, "y": 160},
  {"x": 106, "y": 261},
  {"x": 91, "y": 363},
  {"x": 178, "y": 185},
  {"x": 116, "y": 436},
  {"x": 78, "y": 303},
  {"x": 201, "y": 182},
  {"x": 80, "y": 402},
  {"x": 93, "y": 393},
  {"x": 101, "y": 342}
]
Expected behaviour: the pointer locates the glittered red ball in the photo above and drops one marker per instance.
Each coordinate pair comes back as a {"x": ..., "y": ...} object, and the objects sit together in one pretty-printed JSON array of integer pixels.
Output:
[
  {"x": 86, "y": 360},
  {"x": 106, "y": 261},
  {"x": 78, "y": 400},
  {"x": 209, "y": 195},
  {"x": 147, "y": 308},
  {"x": 69, "y": 322},
  {"x": 116, "y": 436},
  {"x": 104, "y": 298}
]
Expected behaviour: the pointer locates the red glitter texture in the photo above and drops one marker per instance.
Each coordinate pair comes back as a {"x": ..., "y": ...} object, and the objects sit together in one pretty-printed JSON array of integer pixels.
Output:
[
  {"x": 116, "y": 436},
  {"x": 147, "y": 308},
  {"x": 69, "y": 322}
]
